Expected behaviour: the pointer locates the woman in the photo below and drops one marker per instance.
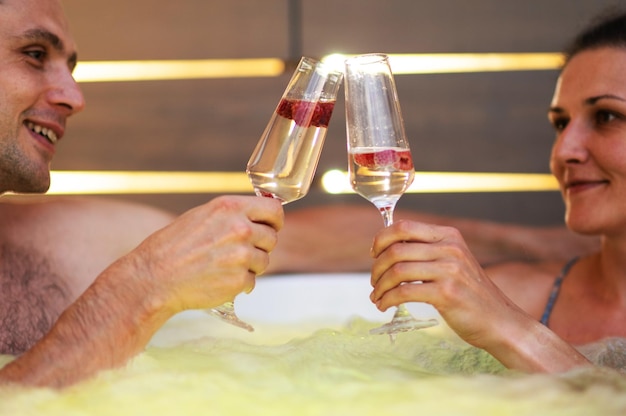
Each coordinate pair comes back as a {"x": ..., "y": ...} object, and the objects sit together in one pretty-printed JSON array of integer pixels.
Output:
[{"x": 530, "y": 316}]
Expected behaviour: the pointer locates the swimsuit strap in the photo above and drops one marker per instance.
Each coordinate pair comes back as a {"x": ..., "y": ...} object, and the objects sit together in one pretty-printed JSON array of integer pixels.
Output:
[{"x": 556, "y": 288}]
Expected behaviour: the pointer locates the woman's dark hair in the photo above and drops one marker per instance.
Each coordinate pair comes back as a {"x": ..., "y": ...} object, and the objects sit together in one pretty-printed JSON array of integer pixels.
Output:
[{"x": 609, "y": 29}]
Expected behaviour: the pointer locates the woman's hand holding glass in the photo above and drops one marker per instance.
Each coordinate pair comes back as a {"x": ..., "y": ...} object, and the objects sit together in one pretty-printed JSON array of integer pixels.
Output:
[
  {"x": 419, "y": 262},
  {"x": 379, "y": 158}
]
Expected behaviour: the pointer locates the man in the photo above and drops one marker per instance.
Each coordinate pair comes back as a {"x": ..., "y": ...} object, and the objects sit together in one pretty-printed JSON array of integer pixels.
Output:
[{"x": 200, "y": 260}]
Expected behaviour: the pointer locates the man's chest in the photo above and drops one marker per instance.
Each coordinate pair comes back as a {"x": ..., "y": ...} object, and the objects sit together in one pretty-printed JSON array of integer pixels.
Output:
[{"x": 32, "y": 296}]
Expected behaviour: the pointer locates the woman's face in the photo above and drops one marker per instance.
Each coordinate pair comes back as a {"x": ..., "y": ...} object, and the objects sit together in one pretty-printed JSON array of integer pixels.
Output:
[{"x": 588, "y": 112}]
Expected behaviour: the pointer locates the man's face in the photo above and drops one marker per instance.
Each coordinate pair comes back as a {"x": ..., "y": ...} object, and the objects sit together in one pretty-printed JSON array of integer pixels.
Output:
[{"x": 37, "y": 90}]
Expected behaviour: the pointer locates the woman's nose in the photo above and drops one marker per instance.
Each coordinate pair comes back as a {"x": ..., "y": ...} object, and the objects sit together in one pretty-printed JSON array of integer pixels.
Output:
[{"x": 570, "y": 144}]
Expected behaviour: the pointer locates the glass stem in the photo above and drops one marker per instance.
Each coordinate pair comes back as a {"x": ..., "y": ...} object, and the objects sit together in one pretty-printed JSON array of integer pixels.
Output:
[{"x": 387, "y": 213}]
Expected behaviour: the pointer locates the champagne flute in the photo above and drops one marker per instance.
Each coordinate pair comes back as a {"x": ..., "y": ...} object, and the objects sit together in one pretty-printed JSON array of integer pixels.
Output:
[
  {"x": 284, "y": 161},
  {"x": 379, "y": 158}
]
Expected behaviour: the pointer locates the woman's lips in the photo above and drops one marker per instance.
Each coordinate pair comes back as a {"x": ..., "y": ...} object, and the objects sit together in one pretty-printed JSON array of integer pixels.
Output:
[{"x": 581, "y": 186}]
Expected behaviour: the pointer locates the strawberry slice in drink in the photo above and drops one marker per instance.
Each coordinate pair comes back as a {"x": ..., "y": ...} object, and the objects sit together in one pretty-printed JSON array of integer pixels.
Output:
[
  {"x": 365, "y": 159},
  {"x": 322, "y": 113},
  {"x": 382, "y": 159},
  {"x": 300, "y": 112},
  {"x": 404, "y": 160},
  {"x": 284, "y": 109}
]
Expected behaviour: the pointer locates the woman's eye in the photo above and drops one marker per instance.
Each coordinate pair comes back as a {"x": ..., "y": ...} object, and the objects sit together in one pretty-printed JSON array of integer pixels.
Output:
[
  {"x": 603, "y": 117},
  {"x": 560, "y": 123}
]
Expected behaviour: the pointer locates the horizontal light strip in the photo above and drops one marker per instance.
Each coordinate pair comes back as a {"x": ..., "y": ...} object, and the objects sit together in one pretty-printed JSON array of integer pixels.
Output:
[
  {"x": 121, "y": 182},
  {"x": 115, "y": 71},
  {"x": 338, "y": 182},
  {"x": 443, "y": 63},
  {"x": 473, "y": 62},
  {"x": 334, "y": 182},
  {"x": 433, "y": 63}
]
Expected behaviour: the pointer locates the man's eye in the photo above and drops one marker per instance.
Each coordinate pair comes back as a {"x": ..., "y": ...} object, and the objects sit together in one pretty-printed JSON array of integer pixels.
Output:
[{"x": 36, "y": 54}]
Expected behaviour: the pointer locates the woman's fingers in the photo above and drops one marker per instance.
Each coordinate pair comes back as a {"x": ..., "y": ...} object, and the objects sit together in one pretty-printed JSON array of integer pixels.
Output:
[
  {"x": 420, "y": 262},
  {"x": 407, "y": 282},
  {"x": 406, "y": 231}
]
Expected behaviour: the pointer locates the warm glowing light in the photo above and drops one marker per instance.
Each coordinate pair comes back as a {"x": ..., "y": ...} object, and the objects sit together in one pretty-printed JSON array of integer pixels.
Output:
[
  {"x": 338, "y": 182},
  {"x": 440, "y": 63},
  {"x": 110, "y": 71},
  {"x": 333, "y": 182},
  {"x": 433, "y": 63},
  {"x": 335, "y": 61},
  {"x": 473, "y": 62},
  {"x": 120, "y": 182}
]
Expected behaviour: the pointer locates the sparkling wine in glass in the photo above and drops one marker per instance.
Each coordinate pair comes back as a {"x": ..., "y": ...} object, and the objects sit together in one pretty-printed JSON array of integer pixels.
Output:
[
  {"x": 283, "y": 164},
  {"x": 379, "y": 158}
]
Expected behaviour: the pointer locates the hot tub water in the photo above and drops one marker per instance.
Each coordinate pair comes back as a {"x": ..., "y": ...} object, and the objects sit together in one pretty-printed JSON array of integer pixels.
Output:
[{"x": 197, "y": 365}]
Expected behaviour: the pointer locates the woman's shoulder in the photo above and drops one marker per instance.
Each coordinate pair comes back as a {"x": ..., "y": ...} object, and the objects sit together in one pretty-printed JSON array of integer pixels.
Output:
[
  {"x": 528, "y": 284},
  {"x": 524, "y": 269}
]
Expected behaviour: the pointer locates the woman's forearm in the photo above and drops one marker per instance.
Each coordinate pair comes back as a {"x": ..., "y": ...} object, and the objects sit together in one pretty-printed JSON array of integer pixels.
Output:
[{"x": 531, "y": 347}]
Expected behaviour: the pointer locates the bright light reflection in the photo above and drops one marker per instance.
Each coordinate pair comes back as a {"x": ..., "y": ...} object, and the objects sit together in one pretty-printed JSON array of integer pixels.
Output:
[
  {"x": 335, "y": 181},
  {"x": 338, "y": 182}
]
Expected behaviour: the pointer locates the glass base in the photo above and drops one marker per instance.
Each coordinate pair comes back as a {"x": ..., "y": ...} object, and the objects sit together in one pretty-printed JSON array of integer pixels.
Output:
[
  {"x": 403, "y": 321},
  {"x": 226, "y": 313}
]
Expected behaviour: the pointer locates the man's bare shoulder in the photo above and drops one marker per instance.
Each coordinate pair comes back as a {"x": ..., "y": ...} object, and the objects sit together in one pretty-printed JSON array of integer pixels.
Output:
[
  {"x": 75, "y": 211},
  {"x": 20, "y": 202},
  {"x": 77, "y": 236},
  {"x": 78, "y": 223}
]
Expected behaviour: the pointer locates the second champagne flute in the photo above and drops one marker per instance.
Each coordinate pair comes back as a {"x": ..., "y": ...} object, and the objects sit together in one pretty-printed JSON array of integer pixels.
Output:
[
  {"x": 283, "y": 164},
  {"x": 380, "y": 162}
]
